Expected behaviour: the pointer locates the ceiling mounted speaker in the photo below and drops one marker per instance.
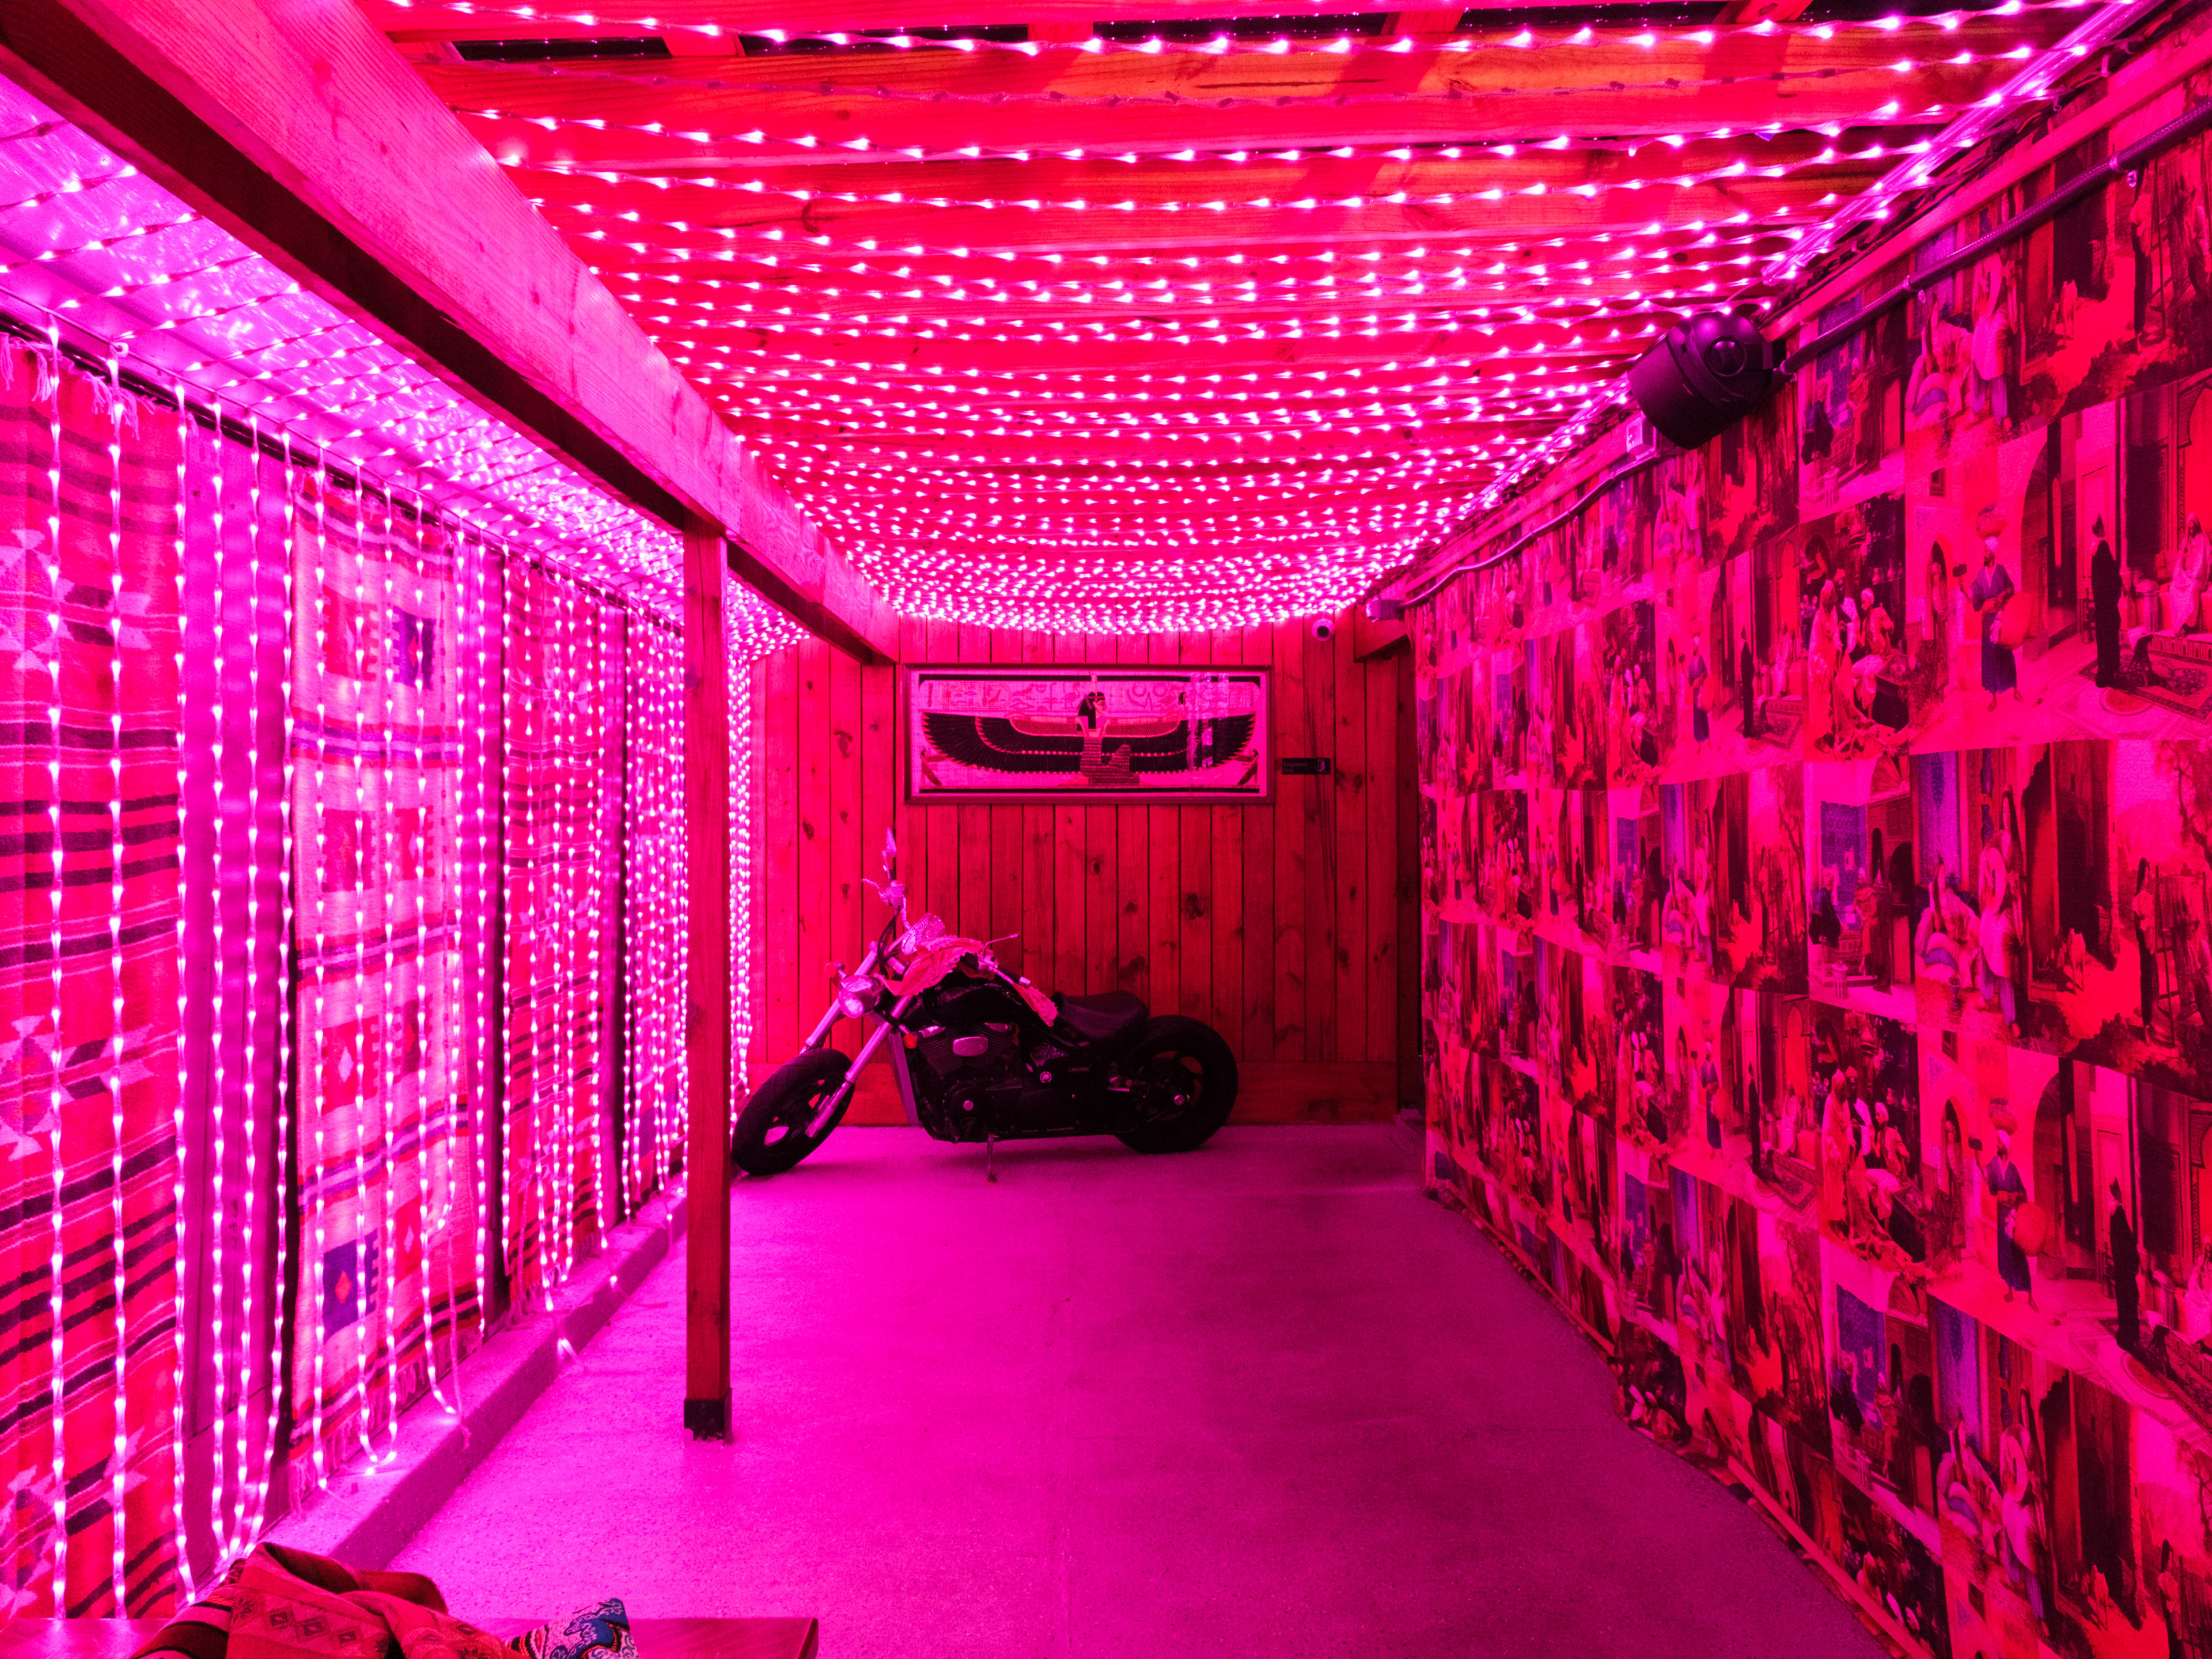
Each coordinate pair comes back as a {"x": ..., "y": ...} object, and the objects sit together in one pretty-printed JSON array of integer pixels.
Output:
[{"x": 1704, "y": 376}]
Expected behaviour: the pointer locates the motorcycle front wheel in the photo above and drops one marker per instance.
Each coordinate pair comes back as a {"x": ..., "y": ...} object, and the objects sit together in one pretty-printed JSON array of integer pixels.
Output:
[
  {"x": 771, "y": 1136},
  {"x": 1188, "y": 1061}
]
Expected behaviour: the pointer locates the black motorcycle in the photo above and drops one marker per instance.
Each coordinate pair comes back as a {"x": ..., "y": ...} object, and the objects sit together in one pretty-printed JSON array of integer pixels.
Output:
[{"x": 982, "y": 1055}]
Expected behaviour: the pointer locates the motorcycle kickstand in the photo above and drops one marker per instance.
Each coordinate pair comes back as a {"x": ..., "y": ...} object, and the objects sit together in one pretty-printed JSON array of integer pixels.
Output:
[{"x": 990, "y": 1169}]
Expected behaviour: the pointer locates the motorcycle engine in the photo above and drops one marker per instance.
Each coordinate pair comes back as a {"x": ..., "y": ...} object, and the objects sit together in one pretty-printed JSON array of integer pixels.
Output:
[
  {"x": 973, "y": 1076},
  {"x": 976, "y": 1074},
  {"x": 981, "y": 1051}
]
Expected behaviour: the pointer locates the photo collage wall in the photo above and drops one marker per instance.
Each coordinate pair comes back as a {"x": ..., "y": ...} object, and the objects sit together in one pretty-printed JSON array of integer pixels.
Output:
[{"x": 1817, "y": 870}]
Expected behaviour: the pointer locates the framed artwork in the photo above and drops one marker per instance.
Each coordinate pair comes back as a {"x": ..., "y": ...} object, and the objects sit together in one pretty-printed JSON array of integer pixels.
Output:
[{"x": 1030, "y": 732}]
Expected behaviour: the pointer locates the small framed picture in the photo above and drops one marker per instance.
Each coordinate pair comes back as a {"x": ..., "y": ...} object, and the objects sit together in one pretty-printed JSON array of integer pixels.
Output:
[{"x": 1028, "y": 733}]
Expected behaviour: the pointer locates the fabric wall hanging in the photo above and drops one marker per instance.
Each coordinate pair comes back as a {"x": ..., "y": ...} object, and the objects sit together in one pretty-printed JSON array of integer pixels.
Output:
[
  {"x": 89, "y": 1052},
  {"x": 653, "y": 907},
  {"x": 387, "y": 1135},
  {"x": 1817, "y": 870},
  {"x": 561, "y": 685}
]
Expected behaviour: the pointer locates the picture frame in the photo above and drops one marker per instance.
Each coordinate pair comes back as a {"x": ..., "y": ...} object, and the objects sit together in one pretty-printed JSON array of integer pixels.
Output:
[{"x": 1105, "y": 735}]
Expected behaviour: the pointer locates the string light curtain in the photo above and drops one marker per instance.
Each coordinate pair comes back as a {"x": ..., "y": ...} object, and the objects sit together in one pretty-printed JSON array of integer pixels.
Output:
[
  {"x": 562, "y": 688},
  {"x": 297, "y": 763},
  {"x": 390, "y": 1204},
  {"x": 651, "y": 900},
  {"x": 231, "y": 523},
  {"x": 88, "y": 1096}
]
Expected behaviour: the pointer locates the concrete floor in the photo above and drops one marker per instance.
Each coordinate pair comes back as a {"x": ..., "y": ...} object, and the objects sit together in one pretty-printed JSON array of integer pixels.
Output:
[{"x": 1261, "y": 1399}]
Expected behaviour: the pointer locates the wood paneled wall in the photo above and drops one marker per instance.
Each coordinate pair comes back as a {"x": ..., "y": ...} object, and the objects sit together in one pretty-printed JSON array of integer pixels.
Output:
[{"x": 1291, "y": 927}]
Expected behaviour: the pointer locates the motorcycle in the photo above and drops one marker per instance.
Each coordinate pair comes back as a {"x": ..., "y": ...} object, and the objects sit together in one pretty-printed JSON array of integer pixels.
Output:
[{"x": 981, "y": 1054}]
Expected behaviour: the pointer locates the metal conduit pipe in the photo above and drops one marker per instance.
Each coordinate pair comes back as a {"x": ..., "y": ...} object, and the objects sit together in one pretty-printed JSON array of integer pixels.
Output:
[
  {"x": 2184, "y": 125},
  {"x": 1380, "y": 603}
]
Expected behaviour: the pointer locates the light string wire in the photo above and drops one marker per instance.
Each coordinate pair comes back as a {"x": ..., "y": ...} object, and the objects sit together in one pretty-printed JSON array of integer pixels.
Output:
[
  {"x": 289, "y": 1072},
  {"x": 180, "y": 1184},
  {"x": 372, "y": 1138},
  {"x": 1169, "y": 99},
  {"x": 50, "y": 390},
  {"x": 319, "y": 599},
  {"x": 1733, "y": 171},
  {"x": 816, "y": 151},
  {"x": 219, "y": 1160},
  {"x": 439, "y": 1020},
  {"x": 250, "y": 1008},
  {"x": 1228, "y": 43},
  {"x": 482, "y": 944},
  {"x": 646, "y": 261},
  {"x": 118, "y": 411}
]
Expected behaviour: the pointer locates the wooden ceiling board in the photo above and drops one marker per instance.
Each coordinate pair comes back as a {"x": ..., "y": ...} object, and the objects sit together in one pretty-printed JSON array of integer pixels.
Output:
[
  {"x": 1373, "y": 225},
  {"x": 945, "y": 100},
  {"x": 436, "y": 22}
]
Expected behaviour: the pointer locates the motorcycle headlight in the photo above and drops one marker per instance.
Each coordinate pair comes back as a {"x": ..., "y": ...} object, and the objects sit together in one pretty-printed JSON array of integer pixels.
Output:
[{"x": 856, "y": 995}]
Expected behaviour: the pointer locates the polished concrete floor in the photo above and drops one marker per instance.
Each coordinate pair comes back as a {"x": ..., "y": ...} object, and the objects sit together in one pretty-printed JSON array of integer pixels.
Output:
[{"x": 1262, "y": 1399}]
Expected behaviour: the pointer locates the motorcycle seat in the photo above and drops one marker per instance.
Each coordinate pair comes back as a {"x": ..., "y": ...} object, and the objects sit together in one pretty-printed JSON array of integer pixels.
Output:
[{"x": 1103, "y": 1017}]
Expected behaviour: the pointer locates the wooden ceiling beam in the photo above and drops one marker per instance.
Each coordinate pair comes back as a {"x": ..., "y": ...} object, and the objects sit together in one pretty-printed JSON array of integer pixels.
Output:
[
  {"x": 519, "y": 139},
  {"x": 534, "y": 153},
  {"x": 437, "y": 21},
  {"x": 1376, "y": 224},
  {"x": 296, "y": 127},
  {"x": 1850, "y": 99},
  {"x": 1144, "y": 106}
]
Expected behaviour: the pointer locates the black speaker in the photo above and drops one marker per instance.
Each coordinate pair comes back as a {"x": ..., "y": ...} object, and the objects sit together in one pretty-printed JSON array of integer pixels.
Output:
[{"x": 1704, "y": 376}]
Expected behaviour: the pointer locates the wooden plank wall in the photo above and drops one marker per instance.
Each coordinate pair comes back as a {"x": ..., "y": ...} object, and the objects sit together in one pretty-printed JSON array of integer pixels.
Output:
[{"x": 1283, "y": 926}]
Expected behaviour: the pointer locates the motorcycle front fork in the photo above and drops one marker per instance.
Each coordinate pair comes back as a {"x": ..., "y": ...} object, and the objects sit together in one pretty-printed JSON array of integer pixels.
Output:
[{"x": 836, "y": 1101}]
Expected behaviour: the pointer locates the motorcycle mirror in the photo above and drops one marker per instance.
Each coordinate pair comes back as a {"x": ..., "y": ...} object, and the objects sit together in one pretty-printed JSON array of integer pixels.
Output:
[{"x": 891, "y": 852}]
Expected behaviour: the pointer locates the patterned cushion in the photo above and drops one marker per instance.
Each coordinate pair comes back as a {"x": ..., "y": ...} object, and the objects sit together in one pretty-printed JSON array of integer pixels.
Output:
[{"x": 599, "y": 1630}]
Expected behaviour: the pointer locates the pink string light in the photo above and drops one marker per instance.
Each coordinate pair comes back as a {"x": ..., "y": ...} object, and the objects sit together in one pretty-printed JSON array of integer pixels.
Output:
[
  {"x": 118, "y": 411},
  {"x": 1588, "y": 191},
  {"x": 179, "y": 1185},
  {"x": 1525, "y": 40},
  {"x": 241, "y": 1523},
  {"x": 820, "y": 151}
]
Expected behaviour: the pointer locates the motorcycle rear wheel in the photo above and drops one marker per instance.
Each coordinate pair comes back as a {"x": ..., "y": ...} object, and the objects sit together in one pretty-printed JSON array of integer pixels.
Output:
[
  {"x": 1190, "y": 1056},
  {"x": 771, "y": 1137}
]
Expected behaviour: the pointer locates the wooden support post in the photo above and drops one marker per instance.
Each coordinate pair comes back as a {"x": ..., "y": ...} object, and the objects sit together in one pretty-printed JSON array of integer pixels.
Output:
[{"x": 707, "y": 989}]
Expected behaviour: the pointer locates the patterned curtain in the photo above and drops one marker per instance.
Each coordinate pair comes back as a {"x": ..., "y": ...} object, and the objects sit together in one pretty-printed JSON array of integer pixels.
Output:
[
  {"x": 652, "y": 903},
  {"x": 237, "y": 1036},
  {"x": 562, "y": 691},
  {"x": 88, "y": 1008},
  {"x": 391, "y": 1161},
  {"x": 269, "y": 1161}
]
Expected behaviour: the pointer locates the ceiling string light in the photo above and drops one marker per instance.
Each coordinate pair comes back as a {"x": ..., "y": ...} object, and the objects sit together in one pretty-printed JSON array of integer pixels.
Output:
[
  {"x": 862, "y": 150},
  {"x": 1457, "y": 93},
  {"x": 1226, "y": 43},
  {"x": 1736, "y": 170}
]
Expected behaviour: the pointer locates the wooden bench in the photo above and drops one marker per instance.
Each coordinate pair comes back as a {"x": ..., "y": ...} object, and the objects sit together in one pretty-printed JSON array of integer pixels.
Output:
[{"x": 657, "y": 1638}]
